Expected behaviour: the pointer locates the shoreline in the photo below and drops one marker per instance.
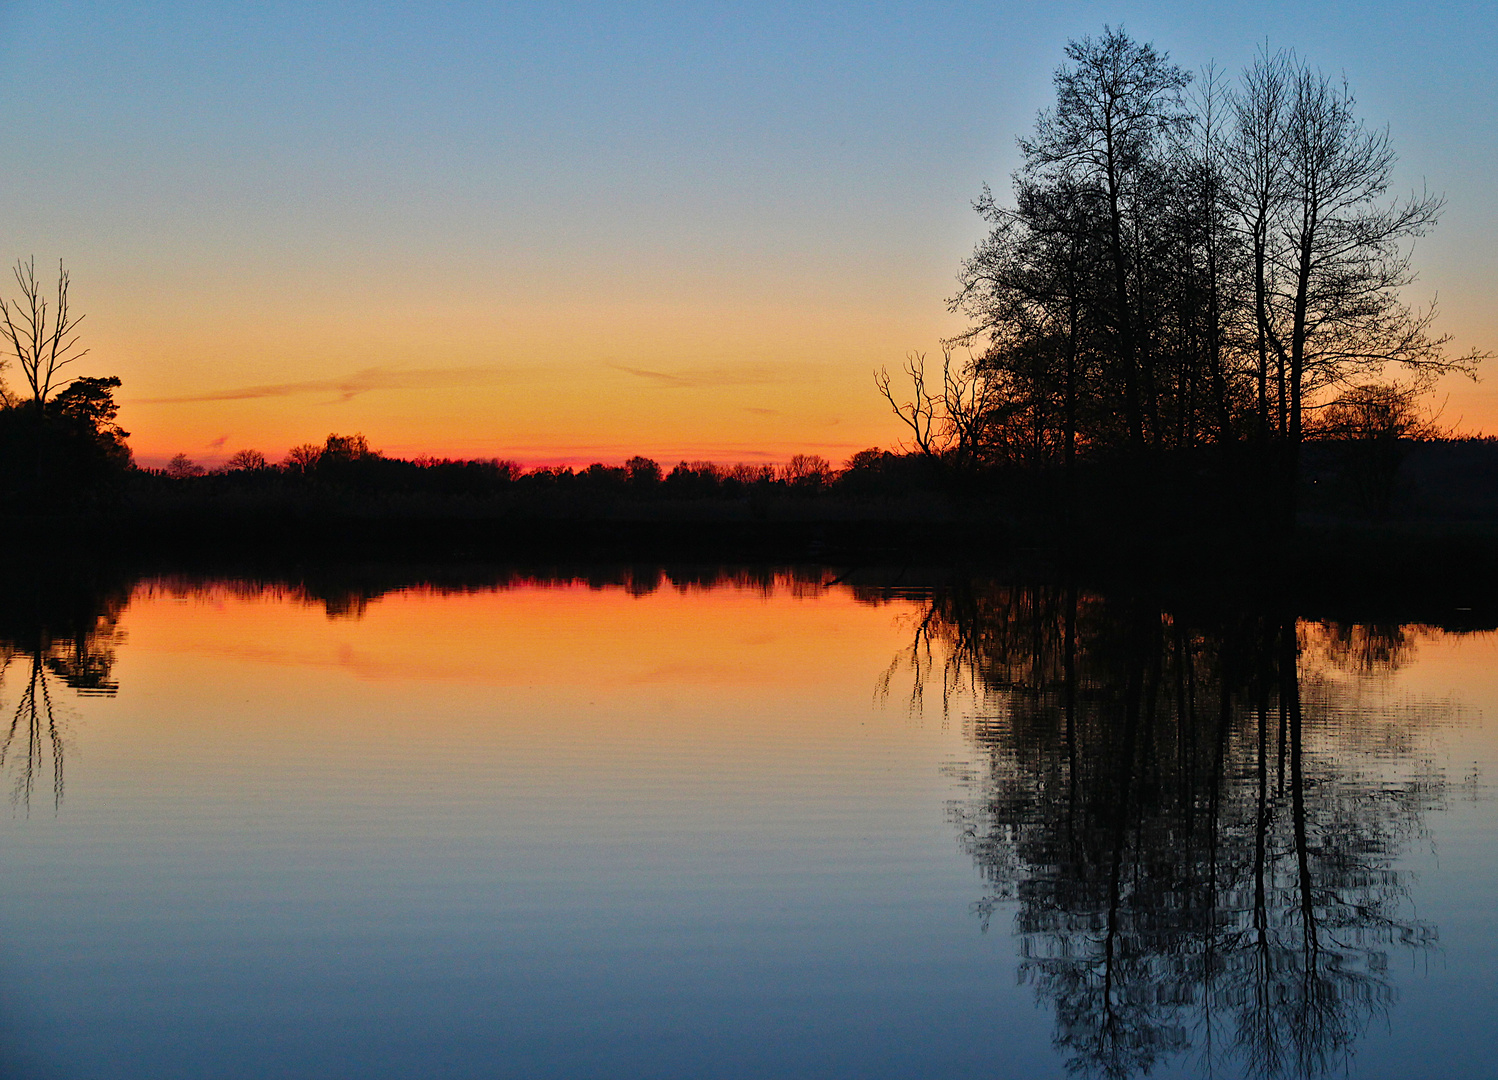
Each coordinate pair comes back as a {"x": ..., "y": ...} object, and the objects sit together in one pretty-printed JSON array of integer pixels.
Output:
[{"x": 1440, "y": 572}]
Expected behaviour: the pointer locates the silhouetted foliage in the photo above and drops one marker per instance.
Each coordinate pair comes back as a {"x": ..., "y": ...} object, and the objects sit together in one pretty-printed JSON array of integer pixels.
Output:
[
  {"x": 643, "y": 472},
  {"x": 1372, "y": 430},
  {"x": 60, "y": 442},
  {"x": 71, "y": 446},
  {"x": 1183, "y": 265}
]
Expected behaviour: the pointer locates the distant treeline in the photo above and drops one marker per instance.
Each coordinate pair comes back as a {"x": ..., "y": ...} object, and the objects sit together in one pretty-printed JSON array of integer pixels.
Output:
[
  {"x": 71, "y": 452},
  {"x": 1375, "y": 476},
  {"x": 346, "y": 462}
]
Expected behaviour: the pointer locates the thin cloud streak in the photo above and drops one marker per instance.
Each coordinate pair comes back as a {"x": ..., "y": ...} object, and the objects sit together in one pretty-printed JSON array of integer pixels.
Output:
[
  {"x": 705, "y": 378},
  {"x": 350, "y": 386}
]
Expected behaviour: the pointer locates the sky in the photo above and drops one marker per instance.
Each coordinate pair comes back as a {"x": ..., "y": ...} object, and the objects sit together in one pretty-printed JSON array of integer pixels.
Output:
[{"x": 574, "y": 232}]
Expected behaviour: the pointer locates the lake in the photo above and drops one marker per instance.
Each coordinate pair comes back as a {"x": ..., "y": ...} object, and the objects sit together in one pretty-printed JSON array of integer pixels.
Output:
[{"x": 731, "y": 823}]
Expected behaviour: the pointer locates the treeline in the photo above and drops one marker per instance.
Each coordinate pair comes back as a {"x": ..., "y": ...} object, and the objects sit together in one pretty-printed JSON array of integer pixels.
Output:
[
  {"x": 346, "y": 463},
  {"x": 1186, "y": 266}
]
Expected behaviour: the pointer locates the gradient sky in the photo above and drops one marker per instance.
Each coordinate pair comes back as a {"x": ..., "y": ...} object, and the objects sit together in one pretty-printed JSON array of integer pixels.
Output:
[{"x": 574, "y": 232}]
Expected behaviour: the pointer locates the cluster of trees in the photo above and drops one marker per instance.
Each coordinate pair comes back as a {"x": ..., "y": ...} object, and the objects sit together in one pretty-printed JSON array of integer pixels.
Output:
[
  {"x": 1184, "y": 263},
  {"x": 1193, "y": 821},
  {"x": 59, "y": 435}
]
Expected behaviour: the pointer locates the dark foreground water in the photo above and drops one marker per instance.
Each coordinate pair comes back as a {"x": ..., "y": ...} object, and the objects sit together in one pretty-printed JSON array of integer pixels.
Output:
[{"x": 752, "y": 826}]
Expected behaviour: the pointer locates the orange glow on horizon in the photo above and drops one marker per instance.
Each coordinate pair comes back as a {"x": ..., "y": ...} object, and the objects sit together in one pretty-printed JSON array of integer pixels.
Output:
[
  {"x": 505, "y": 369},
  {"x": 751, "y": 383}
]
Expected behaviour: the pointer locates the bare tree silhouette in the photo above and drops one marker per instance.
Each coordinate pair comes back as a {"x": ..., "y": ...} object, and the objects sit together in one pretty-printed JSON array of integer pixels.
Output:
[{"x": 42, "y": 335}]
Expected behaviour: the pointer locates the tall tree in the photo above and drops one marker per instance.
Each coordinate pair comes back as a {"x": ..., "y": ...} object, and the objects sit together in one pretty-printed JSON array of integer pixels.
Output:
[
  {"x": 1344, "y": 255},
  {"x": 1115, "y": 100},
  {"x": 1257, "y": 169},
  {"x": 1029, "y": 289},
  {"x": 1200, "y": 225}
]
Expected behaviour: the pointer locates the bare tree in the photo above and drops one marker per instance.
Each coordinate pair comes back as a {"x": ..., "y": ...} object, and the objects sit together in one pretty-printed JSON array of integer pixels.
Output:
[
  {"x": 303, "y": 458},
  {"x": 811, "y": 471},
  {"x": 1175, "y": 271},
  {"x": 1344, "y": 255},
  {"x": 922, "y": 412},
  {"x": 1378, "y": 411},
  {"x": 1373, "y": 429},
  {"x": 1114, "y": 101},
  {"x": 41, "y": 334},
  {"x": 1028, "y": 282},
  {"x": 181, "y": 467},
  {"x": 1257, "y": 170},
  {"x": 246, "y": 461},
  {"x": 1203, "y": 233},
  {"x": 951, "y": 425}
]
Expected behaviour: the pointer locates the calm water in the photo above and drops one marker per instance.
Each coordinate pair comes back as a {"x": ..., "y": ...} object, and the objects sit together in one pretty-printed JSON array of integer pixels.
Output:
[{"x": 757, "y": 826}]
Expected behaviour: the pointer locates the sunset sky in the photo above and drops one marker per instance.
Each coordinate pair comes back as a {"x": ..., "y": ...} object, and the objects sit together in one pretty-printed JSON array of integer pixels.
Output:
[{"x": 572, "y": 232}]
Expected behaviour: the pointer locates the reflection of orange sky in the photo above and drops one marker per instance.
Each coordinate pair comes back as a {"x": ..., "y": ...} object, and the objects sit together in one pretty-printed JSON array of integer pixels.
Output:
[
  {"x": 1447, "y": 682},
  {"x": 570, "y": 636},
  {"x": 506, "y": 691},
  {"x": 1461, "y": 669},
  {"x": 725, "y": 690},
  {"x": 579, "y": 642}
]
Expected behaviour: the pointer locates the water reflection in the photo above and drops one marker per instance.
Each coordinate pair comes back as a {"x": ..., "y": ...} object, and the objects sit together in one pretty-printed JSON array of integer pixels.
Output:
[
  {"x": 59, "y": 629},
  {"x": 1196, "y": 821},
  {"x": 52, "y": 637},
  {"x": 345, "y": 592}
]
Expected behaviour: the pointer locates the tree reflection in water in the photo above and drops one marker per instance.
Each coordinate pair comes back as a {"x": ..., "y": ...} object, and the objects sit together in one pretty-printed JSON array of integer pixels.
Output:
[
  {"x": 50, "y": 636},
  {"x": 1195, "y": 821}
]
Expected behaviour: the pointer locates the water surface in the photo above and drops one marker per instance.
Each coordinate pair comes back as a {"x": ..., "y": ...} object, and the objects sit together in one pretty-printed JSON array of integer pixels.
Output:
[{"x": 725, "y": 825}]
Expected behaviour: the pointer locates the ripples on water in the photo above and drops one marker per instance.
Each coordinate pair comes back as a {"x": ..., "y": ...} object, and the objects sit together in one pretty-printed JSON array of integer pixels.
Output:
[{"x": 700, "y": 823}]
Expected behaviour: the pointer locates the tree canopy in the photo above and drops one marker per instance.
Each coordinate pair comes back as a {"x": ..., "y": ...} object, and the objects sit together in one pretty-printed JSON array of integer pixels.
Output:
[{"x": 1184, "y": 262}]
